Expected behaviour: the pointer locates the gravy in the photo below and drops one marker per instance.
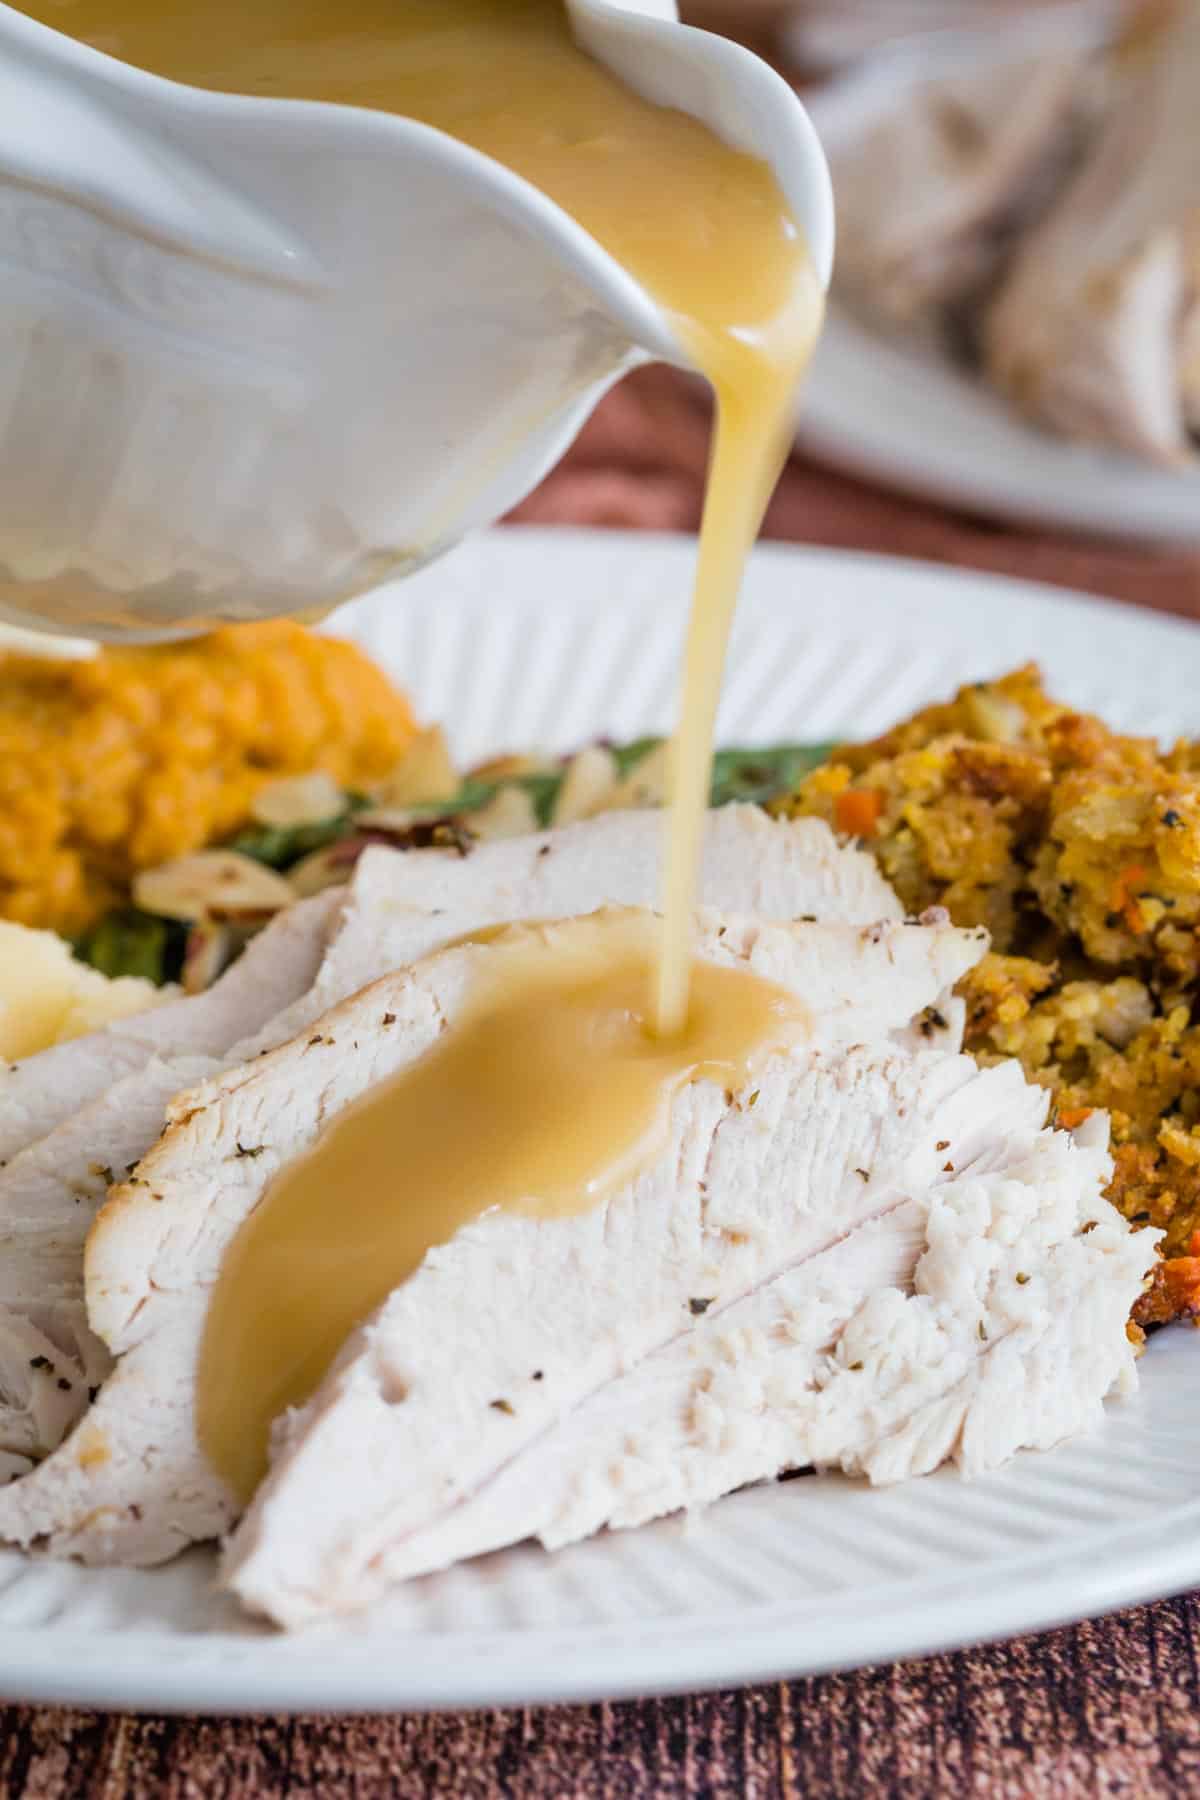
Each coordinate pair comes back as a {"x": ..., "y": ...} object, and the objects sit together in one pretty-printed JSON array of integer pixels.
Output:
[{"x": 550, "y": 1090}]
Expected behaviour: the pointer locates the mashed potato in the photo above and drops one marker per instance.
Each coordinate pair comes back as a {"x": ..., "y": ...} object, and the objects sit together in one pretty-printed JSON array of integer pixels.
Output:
[{"x": 46, "y": 996}]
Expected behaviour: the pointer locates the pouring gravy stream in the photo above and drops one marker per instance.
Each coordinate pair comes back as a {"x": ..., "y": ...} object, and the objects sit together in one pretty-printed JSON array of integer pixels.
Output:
[{"x": 707, "y": 232}]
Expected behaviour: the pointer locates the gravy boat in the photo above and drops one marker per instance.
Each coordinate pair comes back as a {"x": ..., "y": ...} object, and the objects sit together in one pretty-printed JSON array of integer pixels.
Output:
[{"x": 258, "y": 355}]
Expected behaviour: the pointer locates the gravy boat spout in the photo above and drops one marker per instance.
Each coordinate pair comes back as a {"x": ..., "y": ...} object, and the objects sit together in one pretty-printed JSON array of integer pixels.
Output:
[{"x": 258, "y": 355}]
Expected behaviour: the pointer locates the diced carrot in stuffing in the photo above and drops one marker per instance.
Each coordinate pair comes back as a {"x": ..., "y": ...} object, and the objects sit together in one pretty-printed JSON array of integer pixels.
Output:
[
  {"x": 857, "y": 812},
  {"x": 1123, "y": 902},
  {"x": 1182, "y": 1277},
  {"x": 1071, "y": 1116}
]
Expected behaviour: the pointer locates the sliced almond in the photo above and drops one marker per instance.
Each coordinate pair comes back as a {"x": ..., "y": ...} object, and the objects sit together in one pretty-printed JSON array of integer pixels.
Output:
[
  {"x": 298, "y": 800},
  {"x": 397, "y": 831},
  {"x": 325, "y": 868},
  {"x": 389, "y": 818},
  {"x": 647, "y": 783},
  {"x": 212, "y": 884},
  {"x": 424, "y": 775},
  {"x": 507, "y": 768},
  {"x": 587, "y": 787},
  {"x": 509, "y": 813},
  {"x": 208, "y": 952}
]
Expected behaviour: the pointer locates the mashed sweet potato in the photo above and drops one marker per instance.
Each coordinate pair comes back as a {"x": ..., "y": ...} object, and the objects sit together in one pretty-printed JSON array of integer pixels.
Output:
[
  {"x": 122, "y": 761},
  {"x": 1079, "y": 849}
]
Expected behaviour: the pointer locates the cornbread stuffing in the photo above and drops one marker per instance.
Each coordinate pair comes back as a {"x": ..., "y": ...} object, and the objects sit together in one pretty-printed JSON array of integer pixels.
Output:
[
  {"x": 125, "y": 760},
  {"x": 1079, "y": 849}
]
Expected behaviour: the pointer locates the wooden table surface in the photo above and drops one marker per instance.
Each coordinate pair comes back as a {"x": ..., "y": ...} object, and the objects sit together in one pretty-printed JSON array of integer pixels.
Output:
[{"x": 1108, "y": 1708}]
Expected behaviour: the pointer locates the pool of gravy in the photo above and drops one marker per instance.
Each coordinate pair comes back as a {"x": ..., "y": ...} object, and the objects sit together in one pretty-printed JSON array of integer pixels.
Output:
[{"x": 550, "y": 1090}]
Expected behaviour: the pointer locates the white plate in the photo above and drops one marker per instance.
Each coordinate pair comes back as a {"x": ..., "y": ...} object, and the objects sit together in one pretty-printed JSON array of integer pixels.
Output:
[
  {"x": 897, "y": 412},
  {"x": 533, "y": 637}
]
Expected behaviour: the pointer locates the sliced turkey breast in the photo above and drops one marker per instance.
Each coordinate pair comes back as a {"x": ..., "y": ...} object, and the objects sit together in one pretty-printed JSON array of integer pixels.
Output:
[
  {"x": 72, "y": 1120},
  {"x": 929, "y": 196},
  {"x": 983, "y": 1317},
  {"x": 921, "y": 1317},
  {"x": 279, "y": 964},
  {"x": 1086, "y": 334},
  {"x": 399, "y": 906},
  {"x": 49, "y": 1195},
  {"x": 740, "y": 1193},
  {"x": 1189, "y": 334}
]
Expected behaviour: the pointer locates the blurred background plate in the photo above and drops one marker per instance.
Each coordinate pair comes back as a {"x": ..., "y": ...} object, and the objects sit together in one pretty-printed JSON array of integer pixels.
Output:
[
  {"x": 894, "y": 410},
  {"x": 531, "y": 637}
]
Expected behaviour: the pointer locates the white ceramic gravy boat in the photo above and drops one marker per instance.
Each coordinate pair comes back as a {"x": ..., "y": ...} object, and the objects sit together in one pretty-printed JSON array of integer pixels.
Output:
[{"x": 257, "y": 355}]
